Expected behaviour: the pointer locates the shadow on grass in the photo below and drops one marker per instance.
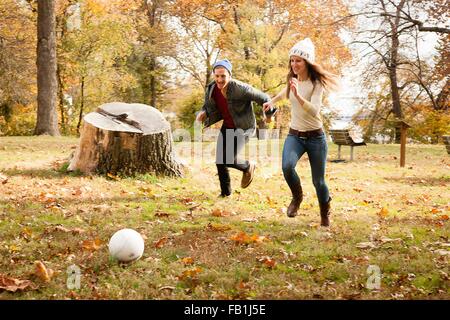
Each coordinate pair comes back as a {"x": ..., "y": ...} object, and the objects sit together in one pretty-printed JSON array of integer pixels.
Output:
[
  {"x": 41, "y": 173},
  {"x": 422, "y": 181},
  {"x": 67, "y": 202}
]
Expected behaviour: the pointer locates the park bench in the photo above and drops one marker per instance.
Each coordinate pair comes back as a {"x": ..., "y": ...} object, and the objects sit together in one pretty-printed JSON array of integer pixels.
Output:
[
  {"x": 447, "y": 143},
  {"x": 343, "y": 137}
]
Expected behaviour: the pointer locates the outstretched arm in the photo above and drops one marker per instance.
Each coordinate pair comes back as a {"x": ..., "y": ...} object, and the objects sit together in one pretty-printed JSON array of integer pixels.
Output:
[{"x": 270, "y": 104}]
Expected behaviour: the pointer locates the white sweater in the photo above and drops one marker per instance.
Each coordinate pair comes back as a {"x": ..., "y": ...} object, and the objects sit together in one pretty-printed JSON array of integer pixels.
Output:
[{"x": 306, "y": 117}]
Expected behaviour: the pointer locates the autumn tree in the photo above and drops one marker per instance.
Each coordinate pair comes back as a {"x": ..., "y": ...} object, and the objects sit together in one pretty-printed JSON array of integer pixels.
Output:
[
  {"x": 154, "y": 44},
  {"x": 94, "y": 54},
  {"x": 388, "y": 38},
  {"x": 17, "y": 68},
  {"x": 198, "y": 37},
  {"x": 257, "y": 35}
]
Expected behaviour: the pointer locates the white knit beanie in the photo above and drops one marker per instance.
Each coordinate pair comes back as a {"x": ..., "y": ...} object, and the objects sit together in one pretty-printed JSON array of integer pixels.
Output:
[{"x": 304, "y": 49}]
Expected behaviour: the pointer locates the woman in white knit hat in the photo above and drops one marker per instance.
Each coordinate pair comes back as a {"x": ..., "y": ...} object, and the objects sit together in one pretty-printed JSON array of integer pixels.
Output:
[{"x": 306, "y": 82}]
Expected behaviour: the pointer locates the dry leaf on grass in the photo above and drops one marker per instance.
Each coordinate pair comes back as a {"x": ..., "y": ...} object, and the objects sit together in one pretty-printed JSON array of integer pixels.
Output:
[
  {"x": 42, "y": 272},
  {"x": 271, "y": 202},
  {"x": 13, "y": 285},
  {"x": 187, "y": 261},
  {"x": 243, "y": 238},
  {"x": 191, "y": 273},
  {"x": 386, "y": 239},
  {"x": 442, "y": 252},
  {"x": 268, "y": 262},
  {"x": 220, "y": 213},
  {"x": 162, "y": 214},
  {"x": 383, "y": 213},
  {"x": 92, "y": 245},
  {"x": 113, "y": 177},
  {"x": 3, "y": 179},
  {"x": 65, "y": 230},
  {"x": 160, "y": 243},
  {"x": 366, "y": 245}
]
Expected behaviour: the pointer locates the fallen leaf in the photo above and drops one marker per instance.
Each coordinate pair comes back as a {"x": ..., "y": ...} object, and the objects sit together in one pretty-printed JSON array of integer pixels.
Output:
[
  {"x": 365, "y": 245},
  {"x": 242, "y": 285},
  {"x": 271, "y": 202},
  {"x": 243, "y": 238},
  {"x": 148, "y": 192},
  {"x": 386, "y": 239},
  {"x": 113, "y": 177},
  {"x": 27, "y": 233},
  {"x": 160, "y": 243},
  {"x": 191, "y": 273},
  {"x": 167, "y": 288},
  {"x": 187, "y": 201},
  {"x": 267, "y": 261},
  {"x": 162, "y": 214},
  {"x": 92, "y": 245},
  {"x": 220, "y": 213},
  {"x": 77, "y": 192},
  {"x": 65, "y": 230},
  {"x": 3, "y": 178},
  {"x": 13, "y": 285},
  {"x": 303, "y": 233},
  {"x": 383, "y": 213},
  {"x": 42, "y": 272},
  {"x": 442, "y": 252},
  {"x": 187, "y": 260}
]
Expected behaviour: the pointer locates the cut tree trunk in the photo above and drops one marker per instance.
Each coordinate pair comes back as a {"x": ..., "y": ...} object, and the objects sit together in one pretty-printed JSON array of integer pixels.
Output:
[{"x": 125, "y": 139}]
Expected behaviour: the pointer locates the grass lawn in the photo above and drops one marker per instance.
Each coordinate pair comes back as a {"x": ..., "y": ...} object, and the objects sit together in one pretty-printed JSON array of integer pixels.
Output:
[{"x": 198, "y": 246}]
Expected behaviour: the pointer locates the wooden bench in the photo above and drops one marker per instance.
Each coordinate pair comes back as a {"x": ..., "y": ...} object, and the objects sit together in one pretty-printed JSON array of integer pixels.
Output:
[
  {"x": 343, "y": 137},
  {"x": 447, "y": 143}
]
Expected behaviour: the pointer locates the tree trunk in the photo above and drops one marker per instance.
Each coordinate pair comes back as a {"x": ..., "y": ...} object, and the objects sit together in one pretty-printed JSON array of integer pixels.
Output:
[
  {"x": 80, "y": 117},
  {"x": 393, "y": 63},
  {"x": 47, "y": 118},
  {"x": 126, "y": 139},
  {"x": 61, "y": 99},
  {"x": 153, "y": 82}
]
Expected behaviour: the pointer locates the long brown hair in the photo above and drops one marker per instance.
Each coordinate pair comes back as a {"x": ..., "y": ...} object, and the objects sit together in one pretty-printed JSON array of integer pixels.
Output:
[{"x": 315, "y": 73}]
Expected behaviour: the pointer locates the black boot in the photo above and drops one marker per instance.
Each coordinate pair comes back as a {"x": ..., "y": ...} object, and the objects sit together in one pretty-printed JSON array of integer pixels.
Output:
[
  {"x": 224, "y": 178},
  {"x": 297, "y": 198},
  {"x": 325, "y": 213}
]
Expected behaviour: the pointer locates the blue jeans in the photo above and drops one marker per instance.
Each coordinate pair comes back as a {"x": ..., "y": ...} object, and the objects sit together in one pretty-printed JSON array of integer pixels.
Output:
[{"x": 316, "y": 148}]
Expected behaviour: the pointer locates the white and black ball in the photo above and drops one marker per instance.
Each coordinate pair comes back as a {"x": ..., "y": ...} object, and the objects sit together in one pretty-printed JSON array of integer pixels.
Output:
[{"x": 126, "y": 245}]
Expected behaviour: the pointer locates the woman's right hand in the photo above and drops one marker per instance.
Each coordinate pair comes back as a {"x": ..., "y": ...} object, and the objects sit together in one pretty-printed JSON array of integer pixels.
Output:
[{"x": 267, "y": 106}]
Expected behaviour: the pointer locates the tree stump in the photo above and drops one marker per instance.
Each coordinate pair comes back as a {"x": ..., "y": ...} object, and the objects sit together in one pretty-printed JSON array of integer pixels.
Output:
[{"x": 122, "y": 138}]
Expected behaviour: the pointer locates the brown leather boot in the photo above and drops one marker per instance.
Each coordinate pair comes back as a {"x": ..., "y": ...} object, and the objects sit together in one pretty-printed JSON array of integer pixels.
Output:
[
  {"x": 247, "y": 176},
  {"x": 297, "y": 198},
  {"x": 325, "y": 213}
]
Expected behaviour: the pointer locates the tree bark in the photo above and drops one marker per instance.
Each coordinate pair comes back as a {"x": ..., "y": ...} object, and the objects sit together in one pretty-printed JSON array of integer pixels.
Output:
[
  {"x": 126, "y": 139},
  {"x": 80, "y": 117},
  {"x": 47, "y": 118}
]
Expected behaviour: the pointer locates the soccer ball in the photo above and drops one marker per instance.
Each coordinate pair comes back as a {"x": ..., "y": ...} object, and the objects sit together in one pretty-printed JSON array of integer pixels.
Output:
[{"x": 126, "y": 245}]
